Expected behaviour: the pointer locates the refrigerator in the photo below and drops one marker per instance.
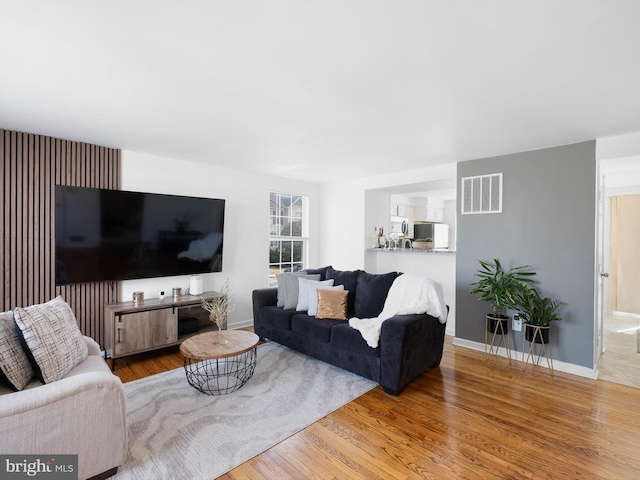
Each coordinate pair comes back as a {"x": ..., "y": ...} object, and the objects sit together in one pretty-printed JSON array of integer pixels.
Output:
[{"x": 439, "y": 232}]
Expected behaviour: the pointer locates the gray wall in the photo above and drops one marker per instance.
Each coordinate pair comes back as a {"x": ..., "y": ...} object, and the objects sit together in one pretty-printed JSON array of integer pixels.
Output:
[{"x": 548, "y": 222}]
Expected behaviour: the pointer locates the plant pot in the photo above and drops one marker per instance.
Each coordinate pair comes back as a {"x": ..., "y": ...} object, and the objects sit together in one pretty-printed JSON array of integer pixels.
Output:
[
  {"x": 498, "y": 324},
  {"x": 537, "y": 335}
]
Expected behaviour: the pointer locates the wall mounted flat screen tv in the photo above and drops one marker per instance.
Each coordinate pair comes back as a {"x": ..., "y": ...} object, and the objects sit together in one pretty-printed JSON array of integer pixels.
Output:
[{"x": 106, "y": 235}]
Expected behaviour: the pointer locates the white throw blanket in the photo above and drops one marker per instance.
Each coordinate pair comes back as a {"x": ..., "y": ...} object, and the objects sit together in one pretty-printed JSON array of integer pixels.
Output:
[{"x": 409, "y": 294}]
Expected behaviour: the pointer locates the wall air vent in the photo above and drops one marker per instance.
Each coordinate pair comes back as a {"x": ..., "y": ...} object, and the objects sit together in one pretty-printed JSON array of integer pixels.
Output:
[{"x": 482, "y": 194}]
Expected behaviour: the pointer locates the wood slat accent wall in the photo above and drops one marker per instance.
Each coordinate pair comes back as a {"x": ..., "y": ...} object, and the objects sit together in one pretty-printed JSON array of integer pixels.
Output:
[{"x": 30, "y": 167}]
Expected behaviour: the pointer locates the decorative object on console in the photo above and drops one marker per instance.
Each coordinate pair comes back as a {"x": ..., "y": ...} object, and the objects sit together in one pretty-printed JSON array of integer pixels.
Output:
[
  {"x": 219, "y": 308},
  {"x": 138, "y": 298},
  {"x": 195, "y": 285},
  {"x": 52, "y": 337}
]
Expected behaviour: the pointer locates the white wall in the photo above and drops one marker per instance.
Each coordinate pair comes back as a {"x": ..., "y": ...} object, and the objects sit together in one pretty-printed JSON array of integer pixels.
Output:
[{"x": 246, "y": 238}]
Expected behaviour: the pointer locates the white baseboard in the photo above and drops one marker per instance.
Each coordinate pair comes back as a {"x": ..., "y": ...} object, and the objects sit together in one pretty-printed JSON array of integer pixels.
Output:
[
  {"x": 517, "y": 355},
  {"x": 240, "y": 324}
]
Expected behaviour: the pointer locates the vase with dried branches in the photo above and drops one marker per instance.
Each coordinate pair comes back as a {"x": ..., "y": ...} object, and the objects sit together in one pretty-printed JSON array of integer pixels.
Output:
[{"x": 219, "y": 308}]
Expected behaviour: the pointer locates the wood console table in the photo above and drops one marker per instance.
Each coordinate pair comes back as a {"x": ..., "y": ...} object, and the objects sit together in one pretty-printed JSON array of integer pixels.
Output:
[{"x": 154, "y": 324}]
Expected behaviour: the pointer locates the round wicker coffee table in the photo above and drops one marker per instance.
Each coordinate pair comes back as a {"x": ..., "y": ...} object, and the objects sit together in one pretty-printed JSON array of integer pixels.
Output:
[{"x": 217, "y": 369}]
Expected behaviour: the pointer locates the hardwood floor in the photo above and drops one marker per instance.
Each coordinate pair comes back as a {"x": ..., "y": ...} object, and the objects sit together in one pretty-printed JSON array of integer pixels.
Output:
[{"x": 467, "y": 419}]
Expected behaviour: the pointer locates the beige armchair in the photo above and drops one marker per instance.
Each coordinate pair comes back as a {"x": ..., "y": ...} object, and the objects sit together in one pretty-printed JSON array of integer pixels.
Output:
[{"x": 84, "y": 413}]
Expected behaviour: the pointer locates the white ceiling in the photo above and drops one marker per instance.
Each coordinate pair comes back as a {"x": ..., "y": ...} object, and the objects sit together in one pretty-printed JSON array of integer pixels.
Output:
[{"x": 321, "y": 89}]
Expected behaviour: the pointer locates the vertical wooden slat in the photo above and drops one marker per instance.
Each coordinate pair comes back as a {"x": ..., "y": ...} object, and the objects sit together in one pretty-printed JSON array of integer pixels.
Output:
[
  {"x": 16, "y": 252},
  {"x": 5, "y": 214},
  {"x": 30, "y": 230}
]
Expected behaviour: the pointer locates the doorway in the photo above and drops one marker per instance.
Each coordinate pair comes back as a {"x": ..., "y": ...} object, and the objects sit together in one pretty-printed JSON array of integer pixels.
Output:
[{"x": 620, "y": 360}]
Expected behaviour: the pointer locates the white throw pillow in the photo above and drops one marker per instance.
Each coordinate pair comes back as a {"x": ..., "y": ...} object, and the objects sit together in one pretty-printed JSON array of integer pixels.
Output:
[
  {"x": 14, "y": 363},
  {"x": 303, "y": 293},
  {"x": 51, "y": 333},
  {"x": 313, "y": 297}
]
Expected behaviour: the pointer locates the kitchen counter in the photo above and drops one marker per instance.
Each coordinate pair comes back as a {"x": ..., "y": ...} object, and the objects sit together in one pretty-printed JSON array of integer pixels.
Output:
[{"x": 409, "y": 250}]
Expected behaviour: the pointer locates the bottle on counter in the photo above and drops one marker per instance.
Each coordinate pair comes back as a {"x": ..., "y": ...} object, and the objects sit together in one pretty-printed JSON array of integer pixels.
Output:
[{"x": 375, "y": 238}]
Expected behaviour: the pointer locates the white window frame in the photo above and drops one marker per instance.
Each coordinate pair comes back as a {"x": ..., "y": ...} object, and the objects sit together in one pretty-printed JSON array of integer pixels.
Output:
[{"x": 277, "y": 217}]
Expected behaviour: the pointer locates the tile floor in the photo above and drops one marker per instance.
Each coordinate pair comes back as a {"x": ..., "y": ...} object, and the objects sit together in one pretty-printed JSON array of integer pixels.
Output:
[{"x": 620, "y": 363}]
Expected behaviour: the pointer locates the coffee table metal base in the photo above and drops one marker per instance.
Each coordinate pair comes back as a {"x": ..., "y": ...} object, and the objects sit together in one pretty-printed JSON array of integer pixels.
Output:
[{"x": 220, "y": 376}]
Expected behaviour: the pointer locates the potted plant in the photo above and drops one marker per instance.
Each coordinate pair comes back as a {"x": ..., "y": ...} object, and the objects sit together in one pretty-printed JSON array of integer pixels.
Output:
[
  {"x": 500, "y": 287},
  {"x": 536, "y": 310},
  {"x": 219, "y": 308}
]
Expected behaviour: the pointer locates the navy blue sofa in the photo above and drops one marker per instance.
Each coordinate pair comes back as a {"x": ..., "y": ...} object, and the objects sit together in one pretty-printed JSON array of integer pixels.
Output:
[{"x": 409, "y": 344}]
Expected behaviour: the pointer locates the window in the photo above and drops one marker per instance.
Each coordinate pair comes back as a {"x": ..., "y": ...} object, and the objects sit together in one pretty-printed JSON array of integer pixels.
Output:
[{"x": 287, "y": 235}]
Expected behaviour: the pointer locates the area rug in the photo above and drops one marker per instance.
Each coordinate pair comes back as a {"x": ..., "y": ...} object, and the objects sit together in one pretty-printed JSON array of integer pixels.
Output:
[{"x": 177, "y": 432}]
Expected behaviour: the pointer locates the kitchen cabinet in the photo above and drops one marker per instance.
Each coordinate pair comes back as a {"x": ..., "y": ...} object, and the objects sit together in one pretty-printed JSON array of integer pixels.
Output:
[
  {"x": 398, "y": 210},
  {"x": 434, "y": 214}
]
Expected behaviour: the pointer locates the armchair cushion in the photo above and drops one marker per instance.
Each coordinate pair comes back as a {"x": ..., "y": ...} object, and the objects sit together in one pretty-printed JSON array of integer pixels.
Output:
[
  {"x": 51, "y": 334},
  {"x": 14, "y": 363}
]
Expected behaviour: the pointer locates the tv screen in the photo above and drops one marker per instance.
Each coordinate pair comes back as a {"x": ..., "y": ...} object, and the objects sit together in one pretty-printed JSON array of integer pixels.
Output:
[{"x": 106, "y": 235}]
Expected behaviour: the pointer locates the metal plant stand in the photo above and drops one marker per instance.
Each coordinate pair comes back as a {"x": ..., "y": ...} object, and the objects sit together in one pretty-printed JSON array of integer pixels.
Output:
[
  {"x": 545, "y": 347},
  {"x": 491, "y": 347}
]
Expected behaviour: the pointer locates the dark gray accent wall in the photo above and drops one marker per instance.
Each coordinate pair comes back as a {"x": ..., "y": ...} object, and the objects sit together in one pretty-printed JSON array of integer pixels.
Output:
[{"x": 548, "y": 222}]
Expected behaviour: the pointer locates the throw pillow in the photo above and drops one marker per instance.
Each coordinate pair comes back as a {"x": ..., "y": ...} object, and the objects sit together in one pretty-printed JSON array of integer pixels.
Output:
[
  {"x": 348, "y": 278},
  {"x": 14, "y": 363},
  {"x": 322, "y": 271},
  {"x": 303, "y": 292},
  {"x": 372, "y": 293},
  {"x": 332, "y": 304},
  {"x": 281, "y": 286},
  {"x": 313, "y": 297},
  {"x": 288, "y": 284},
  {"x": 51, "y": 333}
]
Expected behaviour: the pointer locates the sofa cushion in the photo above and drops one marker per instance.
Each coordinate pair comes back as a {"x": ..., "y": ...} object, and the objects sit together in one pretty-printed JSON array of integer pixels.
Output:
[
  {"x": 318, "y": 330},
  {"x": 51, "y": 333},
  {"x": 372, "y": 291},
  {"x": 321, "y": 271},
  {"x": 348, "y": 278},
  {"x": 277, "y": 317},
  {"x": 303, "y": 291},
  {"x": 313, "y": 298},
  {"x": 343, "y": 336},
  {"x": 288, "y": 288},
  {"x": 332, "y": 304},
  {"x": 14, "y": 363}
]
